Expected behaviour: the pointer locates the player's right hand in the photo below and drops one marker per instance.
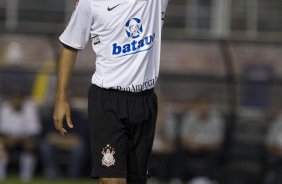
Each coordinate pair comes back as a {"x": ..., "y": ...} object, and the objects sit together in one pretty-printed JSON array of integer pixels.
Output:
[{"x": 62, "y": 112}]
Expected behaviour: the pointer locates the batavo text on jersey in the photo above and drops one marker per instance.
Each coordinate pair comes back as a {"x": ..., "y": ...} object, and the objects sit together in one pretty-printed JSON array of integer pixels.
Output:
[{"x": 142, "y": 45}]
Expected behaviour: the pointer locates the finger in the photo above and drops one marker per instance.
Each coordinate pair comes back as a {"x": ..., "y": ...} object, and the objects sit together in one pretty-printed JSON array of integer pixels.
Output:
[
  {"x": 68, "y": 118},
  {"x": 58, "y": 123},
  {"x": 62, "y": 131},
  {"x": 55, "y": 122}
]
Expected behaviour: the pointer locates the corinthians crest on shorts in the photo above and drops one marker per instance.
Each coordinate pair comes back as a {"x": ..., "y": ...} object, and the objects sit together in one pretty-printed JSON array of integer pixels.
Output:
[{"x": 108, "y": 158}]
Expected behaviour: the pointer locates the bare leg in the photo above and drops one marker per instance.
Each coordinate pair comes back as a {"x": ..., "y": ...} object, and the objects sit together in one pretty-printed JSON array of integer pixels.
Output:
[{"x": 112, "y": 181}]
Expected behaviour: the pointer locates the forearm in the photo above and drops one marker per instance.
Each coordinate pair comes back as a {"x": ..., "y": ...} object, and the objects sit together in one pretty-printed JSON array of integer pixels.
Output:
[{"x": 65, "y": 68}]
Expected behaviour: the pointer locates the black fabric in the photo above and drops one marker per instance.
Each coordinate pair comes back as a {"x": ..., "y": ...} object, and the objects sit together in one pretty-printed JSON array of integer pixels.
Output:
[
  {"x": 69, "y": 47},
  {"x": 125, "y": 123}
]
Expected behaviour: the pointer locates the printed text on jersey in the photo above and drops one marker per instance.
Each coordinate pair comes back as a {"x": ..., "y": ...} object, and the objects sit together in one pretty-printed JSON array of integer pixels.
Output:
[{"x": 134, "y": 31}]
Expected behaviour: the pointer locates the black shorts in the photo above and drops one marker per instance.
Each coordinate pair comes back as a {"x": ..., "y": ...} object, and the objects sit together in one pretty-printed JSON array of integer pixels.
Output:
[{"x": 122, "y": 128}]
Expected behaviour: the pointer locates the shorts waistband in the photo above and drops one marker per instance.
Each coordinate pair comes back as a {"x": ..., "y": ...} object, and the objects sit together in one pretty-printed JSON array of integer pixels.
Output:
[{"x": 126, "y": 93}]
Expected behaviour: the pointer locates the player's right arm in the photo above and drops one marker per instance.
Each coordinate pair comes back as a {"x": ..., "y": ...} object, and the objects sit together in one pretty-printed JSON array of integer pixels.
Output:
[
  {"x": 74, "y": 38},
  {"x": 62, "y": 108}
]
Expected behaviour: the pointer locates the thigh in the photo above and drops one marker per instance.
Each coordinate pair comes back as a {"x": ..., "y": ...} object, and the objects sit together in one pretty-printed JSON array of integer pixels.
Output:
[
  {"x": 108, "y": 138},
  {"x": 140, "y": 143}
]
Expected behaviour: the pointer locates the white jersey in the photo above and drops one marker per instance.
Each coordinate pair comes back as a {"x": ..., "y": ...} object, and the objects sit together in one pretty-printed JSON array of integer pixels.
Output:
[
  {"x": 126, "y": 37},
  {"x": 19, "y": 124}
]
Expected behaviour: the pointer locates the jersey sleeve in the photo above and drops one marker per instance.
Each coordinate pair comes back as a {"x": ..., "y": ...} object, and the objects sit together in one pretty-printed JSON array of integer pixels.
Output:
[{"x": 77, "y": 33}]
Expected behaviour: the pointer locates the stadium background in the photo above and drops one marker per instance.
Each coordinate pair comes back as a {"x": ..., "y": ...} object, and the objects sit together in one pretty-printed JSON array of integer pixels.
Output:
[{"x": 231, "y": 49}]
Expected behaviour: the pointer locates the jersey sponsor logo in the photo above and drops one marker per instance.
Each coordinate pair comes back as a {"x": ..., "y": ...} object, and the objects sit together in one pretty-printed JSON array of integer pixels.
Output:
[
  {"x": 134, "y": 31},
  {"x": 110, "y": 9},
  {"x": 108, "y": 156},
  {"x": 139, "y": 87},
  {"x": 134, "y": 28}
]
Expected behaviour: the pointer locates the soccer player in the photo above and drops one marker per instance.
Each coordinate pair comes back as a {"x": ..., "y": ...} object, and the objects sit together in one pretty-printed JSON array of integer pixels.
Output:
[{"x": 122, "y": 108}]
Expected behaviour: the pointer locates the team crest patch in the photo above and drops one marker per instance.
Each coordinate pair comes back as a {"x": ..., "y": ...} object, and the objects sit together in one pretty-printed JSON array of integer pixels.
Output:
[{"x": 108, "y": 156}]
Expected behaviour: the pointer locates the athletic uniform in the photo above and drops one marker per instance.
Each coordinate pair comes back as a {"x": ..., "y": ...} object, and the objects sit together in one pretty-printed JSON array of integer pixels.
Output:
[{"x": 126, "y": 37}]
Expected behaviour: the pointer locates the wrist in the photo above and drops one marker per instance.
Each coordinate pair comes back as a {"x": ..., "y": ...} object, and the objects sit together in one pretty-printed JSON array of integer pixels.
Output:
[{"x": 60, "y": 97}]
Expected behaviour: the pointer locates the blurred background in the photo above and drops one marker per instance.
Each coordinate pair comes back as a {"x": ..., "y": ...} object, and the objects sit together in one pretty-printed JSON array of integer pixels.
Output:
[{"x": 219, "y": 91}]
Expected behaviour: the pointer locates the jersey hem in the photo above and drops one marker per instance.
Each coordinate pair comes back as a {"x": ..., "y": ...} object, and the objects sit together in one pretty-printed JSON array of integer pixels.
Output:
[{"x": 64, "y": 43}]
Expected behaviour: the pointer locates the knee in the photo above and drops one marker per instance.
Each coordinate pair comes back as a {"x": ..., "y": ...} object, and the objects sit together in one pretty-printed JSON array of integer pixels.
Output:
[{"x": 112, "y": 181}]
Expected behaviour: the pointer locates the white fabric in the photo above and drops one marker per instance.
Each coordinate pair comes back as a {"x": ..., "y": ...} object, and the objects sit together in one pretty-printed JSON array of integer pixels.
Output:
[
  {"x": 19, "y": 124},
  {"x": 166, "y": 131},
  {"x": 27, "y": 166},
  {"x": 208, "y": 131},
  {"x": 126, "y": 37},
  {"x": 3, "y": 167},
  {"x": 201, "y": 180},
  {"x": 274, "y": 133}
]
